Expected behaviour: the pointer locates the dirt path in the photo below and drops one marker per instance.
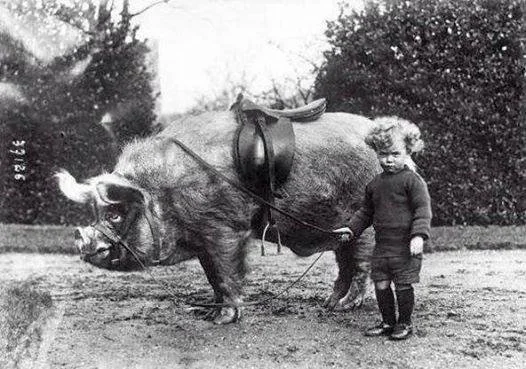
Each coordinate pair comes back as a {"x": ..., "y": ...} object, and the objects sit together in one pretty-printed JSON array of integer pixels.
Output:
[{"x": 470, "y": 313}]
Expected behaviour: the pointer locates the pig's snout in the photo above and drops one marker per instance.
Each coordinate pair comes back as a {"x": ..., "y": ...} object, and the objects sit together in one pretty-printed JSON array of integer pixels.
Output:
[{"x": 83, "y": 242}]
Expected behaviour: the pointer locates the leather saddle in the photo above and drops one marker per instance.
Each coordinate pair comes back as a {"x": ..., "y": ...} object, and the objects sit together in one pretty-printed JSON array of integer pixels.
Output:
[
  {"x": 264, "y": 146},
  {"x": 264, "y": 143}
]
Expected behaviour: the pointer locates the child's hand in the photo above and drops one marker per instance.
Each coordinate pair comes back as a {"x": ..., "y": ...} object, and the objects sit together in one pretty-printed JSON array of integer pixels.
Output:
[
  {"x": 416, "y": 245},
  {"x": 345, "y": 234}
]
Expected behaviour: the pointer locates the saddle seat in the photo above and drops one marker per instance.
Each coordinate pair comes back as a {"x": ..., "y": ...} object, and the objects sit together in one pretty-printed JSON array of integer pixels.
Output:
[
  {"x": 265, "y": 142},
  {"x": 306, "y": 113}
]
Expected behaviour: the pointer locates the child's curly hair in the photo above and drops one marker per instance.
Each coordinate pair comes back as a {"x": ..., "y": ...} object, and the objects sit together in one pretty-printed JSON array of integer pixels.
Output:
[{"x": 387, "y": 128}]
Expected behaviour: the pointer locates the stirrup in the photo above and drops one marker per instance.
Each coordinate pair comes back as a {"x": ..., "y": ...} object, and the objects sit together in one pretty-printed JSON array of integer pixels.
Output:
[{"x": 263, "y": 238}]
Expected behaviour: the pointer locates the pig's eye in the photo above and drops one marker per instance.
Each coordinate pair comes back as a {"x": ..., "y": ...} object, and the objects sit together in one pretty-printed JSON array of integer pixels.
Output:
[{"x": 113, "y": 217}]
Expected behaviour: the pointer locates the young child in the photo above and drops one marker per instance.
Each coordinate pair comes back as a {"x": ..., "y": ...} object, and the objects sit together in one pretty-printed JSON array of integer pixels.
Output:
[{"x": 398, "y": 206}]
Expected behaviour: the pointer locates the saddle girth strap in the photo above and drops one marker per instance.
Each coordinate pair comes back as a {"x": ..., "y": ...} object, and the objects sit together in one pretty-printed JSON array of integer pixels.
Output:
[
  {"x": 270, "y": 180},
  {"x": 266, "y": 184}
]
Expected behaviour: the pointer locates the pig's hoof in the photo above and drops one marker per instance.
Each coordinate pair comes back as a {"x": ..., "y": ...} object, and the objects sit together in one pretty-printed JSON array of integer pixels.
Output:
[
  {"x": 228, "y": 315},
  {"x": 331, "y": 302},
  {"x": 348, "y": 303}
]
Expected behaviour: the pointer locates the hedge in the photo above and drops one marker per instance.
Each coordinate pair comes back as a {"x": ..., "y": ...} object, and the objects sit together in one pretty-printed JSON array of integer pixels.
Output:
[{"x": 454, "y": 68}]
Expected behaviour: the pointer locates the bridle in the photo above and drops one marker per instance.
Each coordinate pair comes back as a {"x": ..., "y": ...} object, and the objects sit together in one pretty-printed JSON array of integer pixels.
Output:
[{"x": 118, "y": 239}]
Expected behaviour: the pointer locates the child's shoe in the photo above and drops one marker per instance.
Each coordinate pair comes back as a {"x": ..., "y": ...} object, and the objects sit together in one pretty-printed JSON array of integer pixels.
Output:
[
  {"x": 401, "y": 331},
  {"x": 382, "y": 329}
]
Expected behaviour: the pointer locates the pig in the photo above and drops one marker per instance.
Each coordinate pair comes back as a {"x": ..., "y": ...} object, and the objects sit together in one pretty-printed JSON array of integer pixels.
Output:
[{"x": 166, "y": 207}]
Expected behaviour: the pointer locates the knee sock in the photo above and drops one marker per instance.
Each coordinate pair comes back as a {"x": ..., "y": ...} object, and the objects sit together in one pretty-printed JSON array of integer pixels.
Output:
[
  {"x": 386, "y": 304},
  {"x": 406, "y": 303}
]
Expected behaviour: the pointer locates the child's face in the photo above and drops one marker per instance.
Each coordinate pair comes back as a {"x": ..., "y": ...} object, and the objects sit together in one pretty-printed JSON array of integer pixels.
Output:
[{"x": 393, "y": 158}]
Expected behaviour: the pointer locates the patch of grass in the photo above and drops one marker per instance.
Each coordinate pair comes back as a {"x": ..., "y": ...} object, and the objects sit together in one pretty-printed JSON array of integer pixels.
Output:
[
  {"x": 37, "y": 239},
  {"x": 21, "y": 305},
  {"x": 59, "y": 239},
  {"x": 477, "y": 238}
]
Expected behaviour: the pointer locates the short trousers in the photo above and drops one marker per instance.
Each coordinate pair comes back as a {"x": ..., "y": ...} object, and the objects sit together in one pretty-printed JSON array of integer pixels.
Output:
[{"x": 399, "y": 269}]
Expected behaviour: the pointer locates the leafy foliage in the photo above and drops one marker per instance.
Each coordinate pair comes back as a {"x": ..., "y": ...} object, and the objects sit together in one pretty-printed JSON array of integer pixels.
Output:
[
  {"x": 63, "y": 100},
  {"x": 454, "y": 68}
]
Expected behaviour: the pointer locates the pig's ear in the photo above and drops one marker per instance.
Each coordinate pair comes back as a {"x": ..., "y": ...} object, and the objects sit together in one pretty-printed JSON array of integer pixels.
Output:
[
  {"x": 113, "y": 193},
  {"x": 78, "y": 192}
]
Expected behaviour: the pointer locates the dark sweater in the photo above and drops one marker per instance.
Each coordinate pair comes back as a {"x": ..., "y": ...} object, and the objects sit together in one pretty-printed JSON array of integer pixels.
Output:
[{"x": 399, "y": 207}]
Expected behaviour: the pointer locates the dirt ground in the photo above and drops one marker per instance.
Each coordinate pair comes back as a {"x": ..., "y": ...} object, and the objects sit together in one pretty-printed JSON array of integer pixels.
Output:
[{"x": 470, "y": 313}]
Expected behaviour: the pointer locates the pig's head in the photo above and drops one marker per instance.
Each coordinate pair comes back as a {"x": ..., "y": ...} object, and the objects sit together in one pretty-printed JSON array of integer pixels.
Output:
[{"x": 124, "y": 230}]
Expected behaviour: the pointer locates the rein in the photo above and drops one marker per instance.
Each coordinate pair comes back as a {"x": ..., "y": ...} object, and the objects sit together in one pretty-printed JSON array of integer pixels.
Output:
[{"x": 120, "y": 240}]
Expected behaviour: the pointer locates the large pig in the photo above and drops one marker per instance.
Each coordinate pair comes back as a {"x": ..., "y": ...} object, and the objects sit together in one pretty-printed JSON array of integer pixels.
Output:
[{"x": 164, "y": 205}]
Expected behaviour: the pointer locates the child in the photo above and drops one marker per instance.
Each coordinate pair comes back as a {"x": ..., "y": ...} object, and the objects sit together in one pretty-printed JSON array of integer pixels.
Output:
[{"x": 397, "y": 204}]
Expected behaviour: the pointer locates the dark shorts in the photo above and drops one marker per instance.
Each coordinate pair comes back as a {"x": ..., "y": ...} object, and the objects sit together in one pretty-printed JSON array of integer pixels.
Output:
[{"x": 399, "y": 269}]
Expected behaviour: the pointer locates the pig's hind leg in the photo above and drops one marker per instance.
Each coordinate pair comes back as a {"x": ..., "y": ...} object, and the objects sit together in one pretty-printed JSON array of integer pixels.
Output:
[{"x": 354, "y": 263}]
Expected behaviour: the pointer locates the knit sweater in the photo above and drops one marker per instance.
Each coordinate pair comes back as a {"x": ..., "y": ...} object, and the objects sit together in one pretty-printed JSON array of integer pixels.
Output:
[{"x": 399, "y": 207}]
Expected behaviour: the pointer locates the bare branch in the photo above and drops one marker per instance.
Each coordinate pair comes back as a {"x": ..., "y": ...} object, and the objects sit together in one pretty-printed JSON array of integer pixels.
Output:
[
  {"x": 149, "y": 7},
  {"x": 315, "y": 66}
]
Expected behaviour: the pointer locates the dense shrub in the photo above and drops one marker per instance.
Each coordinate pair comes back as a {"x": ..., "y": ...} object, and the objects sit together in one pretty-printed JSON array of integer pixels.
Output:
[
  {"x": 58, "y": 116},
  {"x": 454, "y": 68}
]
